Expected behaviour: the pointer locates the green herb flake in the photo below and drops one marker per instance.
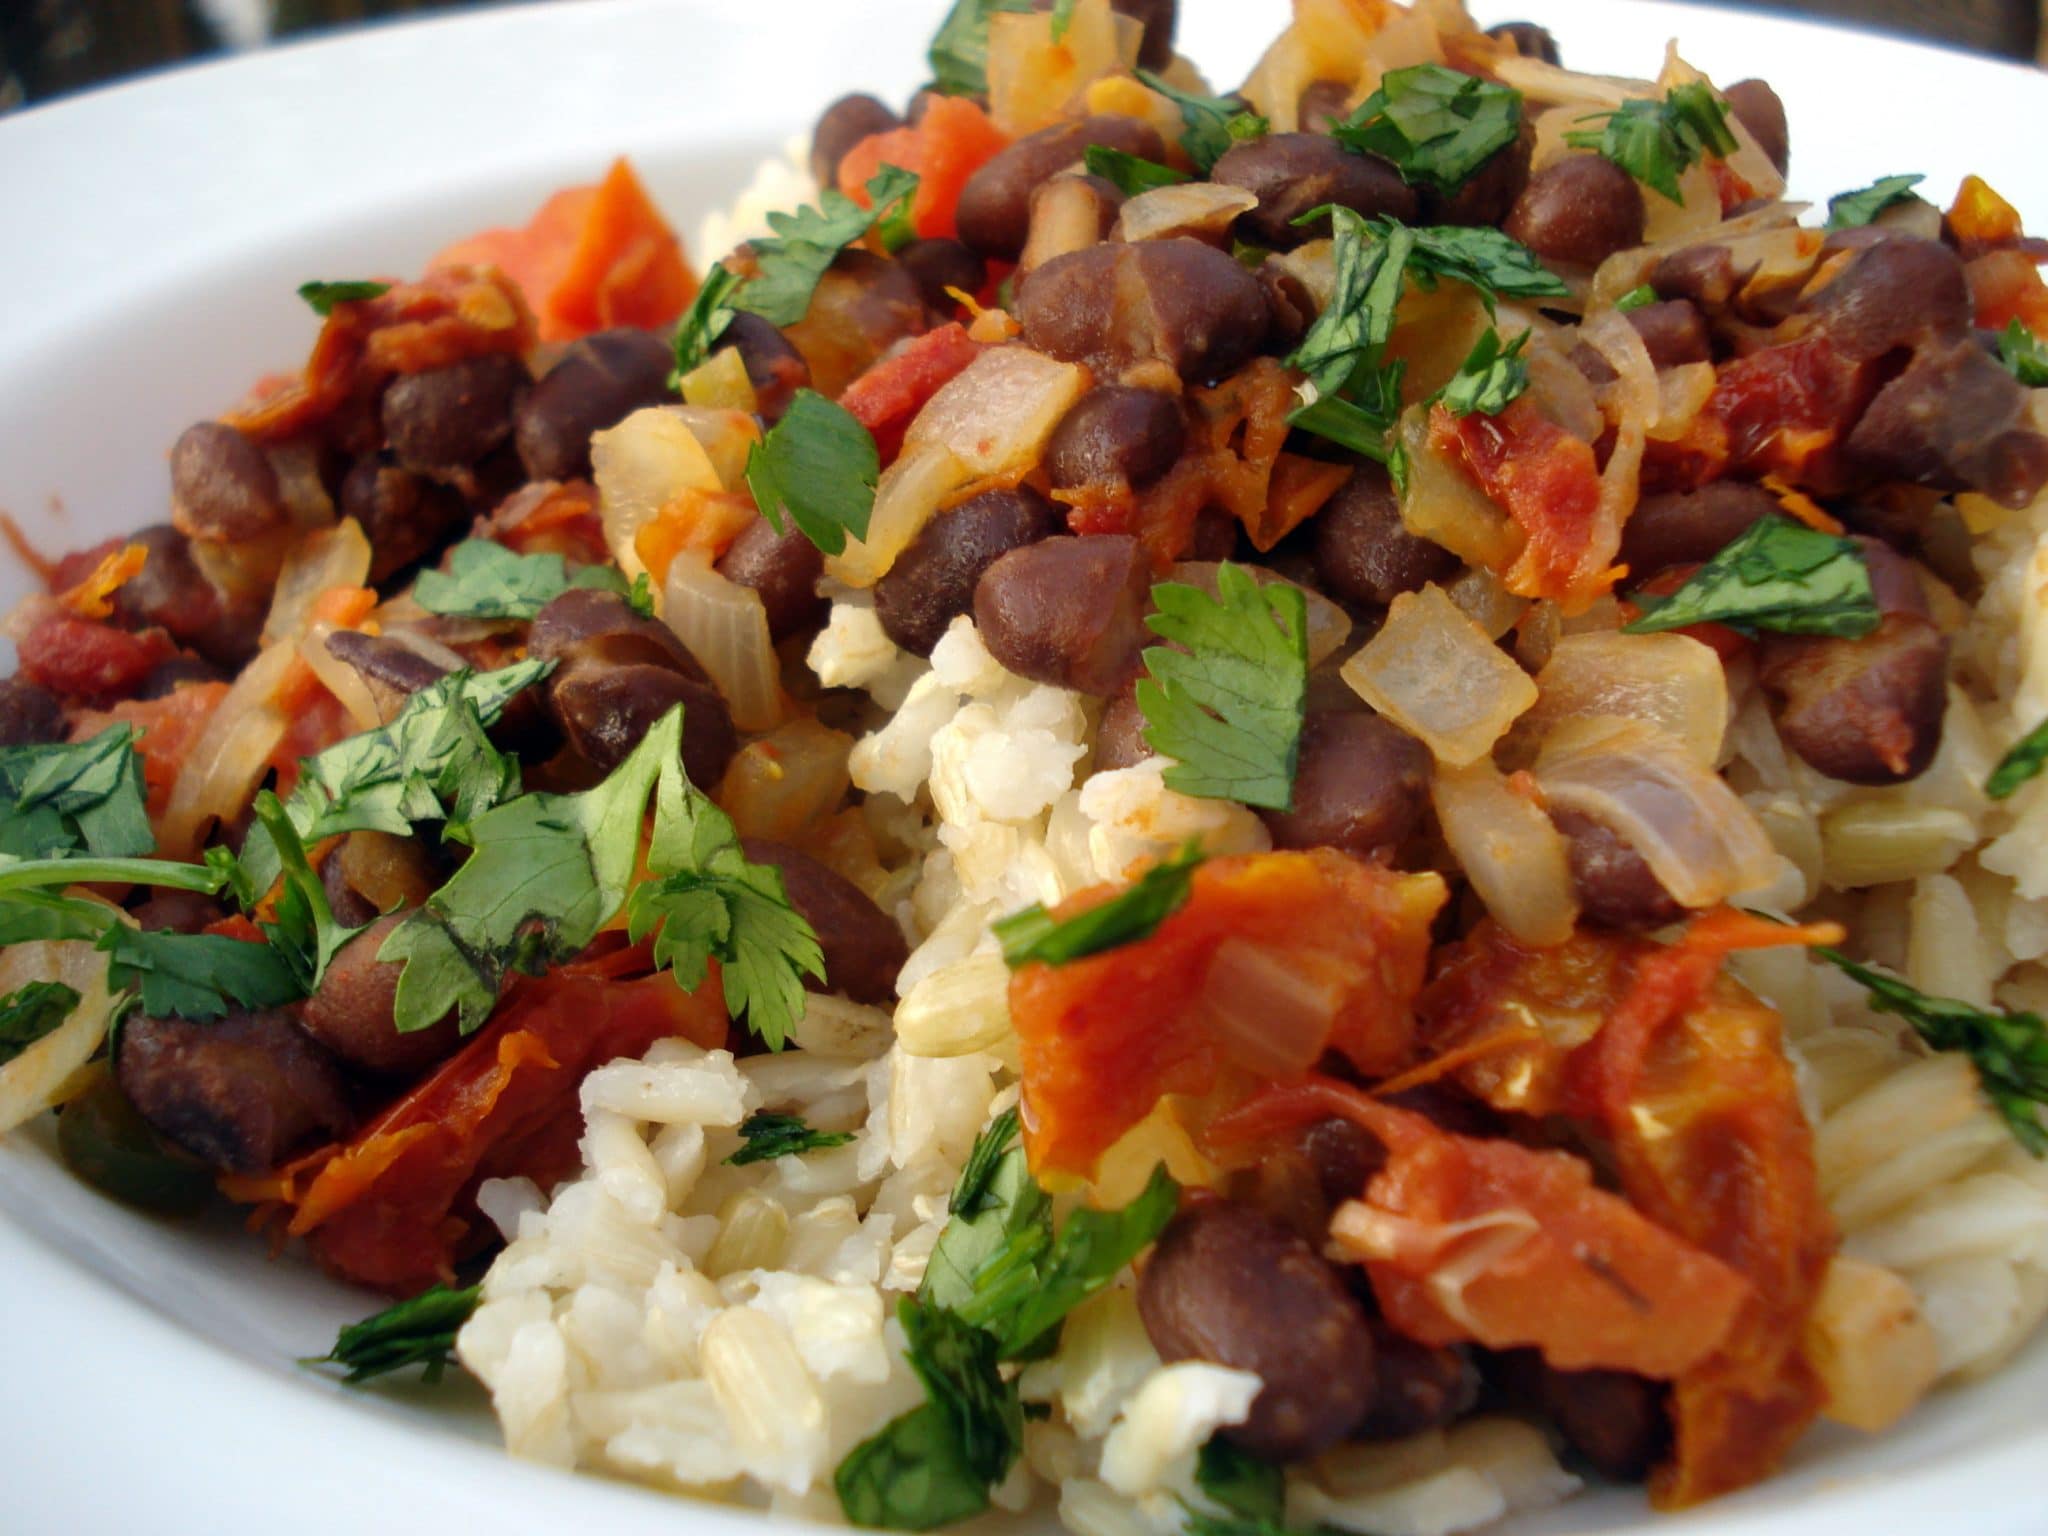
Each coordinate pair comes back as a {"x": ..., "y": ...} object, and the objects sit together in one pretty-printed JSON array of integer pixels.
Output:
[
  {"x": 1639, "y": 297},
  {"x": 30, "y": 1012},
  {"x": 2009, "y": 1050},
  {"x": 1130, "y": 174},
  {"x": 1062, "y": 18},
  {"x": 808, "y": 241},
  {"x": 1657, "y": 139},
  {"x": 485, "y": 580},
  {"x": 1236, "y": 1480},
  {"x": 817, "y": 466},
  {"x": 1495, "y": 264},
  {"x": 1490, "y": 377},
  {"x": 2023, "y": 354},
  {"x": 1778, "y": 575},
  {"x": 417, "y": 1332},
  {"x": 322, "y": 297},
  {"x": 302, "y": 928},
  {"x": 1092, "y": 1249},
  {"x": 75, "y": 797},
  {"x": 710, "y": 312},
  {"x": 1034, "y": 936},
  {"x": 1852, "y": 210},
  {"x": 769, "y": 1136},
  {"x": 1210, "y": 125},
  {"x": 1228, "y": 707},
  {"x": 959, "y": 51},
  {"x": 2020, "y": 765},
  {"x": 1436, "y": 126}
]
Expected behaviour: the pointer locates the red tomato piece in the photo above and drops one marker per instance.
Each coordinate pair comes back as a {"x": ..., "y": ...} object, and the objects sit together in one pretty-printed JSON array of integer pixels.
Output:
[
  {"x": 886, "y": 397},
  {"x": 1547, "y": 481},
  {"x": 89, "y": 660}
]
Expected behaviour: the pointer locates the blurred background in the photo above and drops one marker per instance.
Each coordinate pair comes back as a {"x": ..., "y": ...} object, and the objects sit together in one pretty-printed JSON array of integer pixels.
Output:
[{"x": 50, "y": 47}]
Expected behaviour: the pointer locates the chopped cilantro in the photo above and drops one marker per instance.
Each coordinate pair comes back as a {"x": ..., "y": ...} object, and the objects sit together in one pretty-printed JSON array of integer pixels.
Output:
[
  {"x": 710, "y": 312},
  {"x": 769, "y": 1136},
  {"x": 819, "y": 465},
  {"x": 959, "y": 50},
  {"x": 1236, "y": 1480},
  {"x": 30, "y": 1012},
  {"x": 1436, "y": 126},
  {"x": 1130, "y": 174},
  {"x": 485, "y": 580},
  {"x": 1777, "y": 575},
  {"x": 1224, "y": 698},
  {"x": 1034, "y": 936},
  {"x": 1657, "y": 139},
  {"x": 196, "y": 975},
  {"x": 1495, "y": 264},
  {"x": 807, "y": 241},
  {"x": 1639, "y": 297},
  {"x": 1490, "y": 377},
  {"x": 1210, "y": 125},
  {"x": 75, "y": 797},
  {"x": 2020, "y": 765},
  {"x": 417, "y": 1332},
  {"x": 302, "y": 928},
  {"x": 322, "y": 297},
  {"x": 2023, "y": 355},
  {"x": 1852, "y": 210}
]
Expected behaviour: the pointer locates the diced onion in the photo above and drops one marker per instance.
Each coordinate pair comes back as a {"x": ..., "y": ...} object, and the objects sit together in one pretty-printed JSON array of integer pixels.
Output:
[
  {"x": 232, "y": 753},
  {"x": 1486, "y": 601},
  {"x": 44, "y": 1073},
  {"x": 656, "y": 454},
  {"x": 1328, "y": 625},
  {"x": 1634, "y": 401},
  {"x": 997, "y": 414},
  {"x": 1443, "y": 504},
  {"x": 1682, "y": 393},
  {"x": 725, "y": 627},
  {"x": 339, "y": 678},
  {"x": 1700, "y": 841},
  {"x": 1875, "y": 1352},
  {"x": 1667, "y": 680},
  {"x": 318, "y": 563},
  {"x": 1202, "y": 210},
  {"x": 1066, "y": 216},
  {"x": 792, "y": 777},
  {"x": 1434, "y": 673},
  {"x": 908, "y": 496},
  {"x": 1515, "y": 858},
  {"x": 720, "y": 382},
  {"x": 1032, "y": 79}
]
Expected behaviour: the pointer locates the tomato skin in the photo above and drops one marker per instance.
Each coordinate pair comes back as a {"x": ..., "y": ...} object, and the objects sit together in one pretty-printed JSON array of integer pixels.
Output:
[
  {"x": 1785, "y": 409},
  {"x": 894, "y": 390},
  {"x": 89, "y": 660},
  {"x": 1548, "y": 482}
]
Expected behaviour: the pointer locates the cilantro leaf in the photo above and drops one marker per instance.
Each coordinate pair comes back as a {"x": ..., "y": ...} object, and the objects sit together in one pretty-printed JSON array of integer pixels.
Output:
[
  {"x": 710, "y": 312},
  {"x": 819, "y": 465},
  {"x": 1241, "y": 1483},
  {"x": 2024, "y": 762},
  {"x": 323, "y": 296},
  {"x": 2009, "y": 1050},
  {"x": 1657, "y": 139},
  {"x": 1034, "y": 936},
  {"x": 998, "y": 1214},
  {"x": 1228, "y": 708},
  {"x": 1436, "y": 126},
  {"x": 81, "y": 796},
  {"x": 303, "y": 929},
  {"x": 807, "y": 241},
  {"x": 1489, "y": 378},
  {"x": 2023, "y": 354},
  {"x": 769, "y": 1136},
  {"x": 1090, "y": 1251},
  {"x": 547, "y": 872},
  {"x": 1368, "y": 266},
  {"x": 1852, "y": 210},
  {"x": 1210, "y": 124},
  {"x": 485, "y": 580},
  {"x": 970, "y": 1194},
  {"x": 1062, "y": 18},
  {"x": 1777, "y": 575},
  {"x": 196, "y": 975},
  {"x": 433, "y": 762},
  {"x": 417, "y": 1332},
  {"x": 1638, "y": 297},
  {"x": 1130, "y": 174},
  {"x": 30, "y": 1012},
  {"x": 1345, "y": 422},
  {"x": 959, "y": 50},
  {"x": 1498, "y": 265}
]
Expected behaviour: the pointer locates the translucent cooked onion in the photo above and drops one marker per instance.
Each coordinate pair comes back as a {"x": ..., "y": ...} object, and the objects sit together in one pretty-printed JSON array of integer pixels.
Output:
[
  {"x": 1682, "y": 393},
  {"x": 1328, "y": 625},
  {"x": 1445, "y": 505},
  {"x": 1434, "y": 673},
  {"x": 1632, "y": 402},
  {"x": 997, "y": 414},
  {"x": 1628, "y": 269},
  {"x": 791, "y": 778},
  {"x": 1269, "y": 1012},
  {"x": 44, "y": 1073},
  {"x": 1032, "y": 79},
  {"x": 318, "y": 563},
  {"x": 725, "y": 627},
  {"x": 1874, "y": 1351},
  {"x": 656, "y": 454},
  {"x": 1702, "y": 843},
  {"x": 1670, "y": 681},
  {"x": 1202, "y": 210},
  {"x": 232, "y": 753},
  {"x": 339, "y": 678},
  {"x": 909, "y": 495},
  {"x": 1515, "y": 858}
]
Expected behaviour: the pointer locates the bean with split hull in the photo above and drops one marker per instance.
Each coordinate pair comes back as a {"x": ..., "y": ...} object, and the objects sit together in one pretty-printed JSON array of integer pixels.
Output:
[
  {"x": 172, "y": 592},
  {"x": 933, "y": 580},
  {"x": 1954, "y": 420},
  {"x": 1176, "y": 301},
  {"x": 405, "y": 516},
  {"x": 994, "y": 212},
  {"x": 863, "y": 947},
  {"x": 1292, "y": 174},
  {"x": 1231, "y": 1285},
  {"x": 775, "y": 368},
  {"x": 1067, "y": 611},
  {"x": 596, "y": 383}
]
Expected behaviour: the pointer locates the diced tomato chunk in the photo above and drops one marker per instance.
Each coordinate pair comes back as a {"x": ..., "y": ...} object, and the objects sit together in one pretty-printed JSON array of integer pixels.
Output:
[
  {"x": 889, "y": 395},
  {"x": 1548, "y": 482},
  {"x": 952, "y": 141},
  {"x": 88, "y": 660}
]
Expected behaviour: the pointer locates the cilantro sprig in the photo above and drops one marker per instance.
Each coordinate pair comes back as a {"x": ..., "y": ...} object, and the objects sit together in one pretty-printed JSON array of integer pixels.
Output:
[
  {"x": 2009, "y": 1050},
  {"x": 818, "y": 466},
  {"x": 1436, "y": 126},
  {"x": 485, "y": 580},
  {"x": 1210, "y": 125},
  {"x": 1657, "y": 139},
  {"x": 1777, "y": 575},
  {"x": 2025, "y": 358},
  {"x": 30, "y": 1012},
  {"x": 1130, "y": 174},
  {"x": 1852, "y": 210},
  {"x": 1489, "y": 378},
  {"x": 321, "y": 297},
  {"x": 418, "y": 1332},
  {"x": 1224, "y": 698},
  {"x": 302, "y": 927},
  {"x": 1034, "y": 936},
  {"x": 768, "y": 1136}
]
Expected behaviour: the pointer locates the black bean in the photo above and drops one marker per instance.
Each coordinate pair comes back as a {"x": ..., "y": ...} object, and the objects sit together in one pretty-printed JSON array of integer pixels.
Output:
[
  {"x": 1416, "y": 1387},
  {"x": 1177, "y": 301},
  {"x": 1954, "y": 420},
  {"x": 1528, "y": 39},
  {"x": 447, "y": 419},
  {"x": 775, "y": 367},
  {"x": 784, "y": 568},
  {"x": 1615, "y": 1419},
  {"x": 596, "y": 383},
  {"x": 604, "y": 710},
  {"x": 1114, "y": 436},
  {"x": 1757, "y": 107},
  {"x": 30, "y": 714},
  {"x": 1067, "y": 611},
  {"x": 1157, "y": 17},
  {"x": 1895, "y": 293},
  {"x": 351, "y": 908},
  {"x": 392, "y": 672},
  {"x": 1580, "y": 210},
  {"x": 1292, "y": 174},
  {"x": 586, "y": 621},
  {"x": 1615, "y": 886},
  {"x": 933, "y": 580},
  {"x": 1120, "y": 734},
  {"x": 994, "y": 213},
  {"x": 222, "y": 486},
  {"x": 241, "y": 1093},
  {"x": 1705, "y": 274},
  {"x": 351, "y": 1011},
  {"x": 405, "y": 516},
  {"x": 937, "y": 265},
  {"x": 1344, "y": 1157},
  {"x": 1290, "y": 307},
  {"x": 1673, "y": 332},
  {"x": 1687, "y": 527},
  {"x": 864, "y": 949},
  {"x": 171, "y": 592},
  {"x": 863, "y": 305},
  {"x": 1364, "y": 554},
  {"x": 841, "y": 126},
  {"x": 1232, "y": 1286},
  {"x": 1360, "y": 785}
]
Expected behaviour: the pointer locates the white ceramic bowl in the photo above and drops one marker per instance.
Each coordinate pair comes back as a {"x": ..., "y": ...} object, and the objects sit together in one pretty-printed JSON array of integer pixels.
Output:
[{"x": 155, "y": 234}]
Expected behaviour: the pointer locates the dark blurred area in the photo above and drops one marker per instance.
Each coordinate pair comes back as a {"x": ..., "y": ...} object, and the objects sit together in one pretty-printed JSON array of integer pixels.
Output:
[{"x": 50, "y": 47}]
